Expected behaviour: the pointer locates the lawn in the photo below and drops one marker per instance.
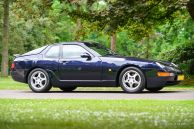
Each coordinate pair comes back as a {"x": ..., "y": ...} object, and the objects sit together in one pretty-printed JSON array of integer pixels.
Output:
[{"x": 95, "y": 114}]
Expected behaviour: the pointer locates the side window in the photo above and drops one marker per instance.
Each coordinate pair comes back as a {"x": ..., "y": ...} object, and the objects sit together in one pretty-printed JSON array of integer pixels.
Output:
[
  {"x": 53, "y": 52},
  {"x": 73, "y": 51}
]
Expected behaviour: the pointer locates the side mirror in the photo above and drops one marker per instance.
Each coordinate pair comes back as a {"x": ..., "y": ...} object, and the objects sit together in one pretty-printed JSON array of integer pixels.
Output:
[{"x": 86, "y": 55}]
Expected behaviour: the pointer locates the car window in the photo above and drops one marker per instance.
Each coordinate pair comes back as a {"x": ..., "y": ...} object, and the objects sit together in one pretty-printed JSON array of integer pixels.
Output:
[
  {"x": 35, "y": 51},
  {"x": 53, "y": 52},
  {"x": 73, "y": 51},
  {"x": 99, "y": 49}
]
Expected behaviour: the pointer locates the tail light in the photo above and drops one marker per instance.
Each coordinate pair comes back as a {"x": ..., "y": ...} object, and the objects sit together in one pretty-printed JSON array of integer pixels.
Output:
[{"x": 12, "y": 66}]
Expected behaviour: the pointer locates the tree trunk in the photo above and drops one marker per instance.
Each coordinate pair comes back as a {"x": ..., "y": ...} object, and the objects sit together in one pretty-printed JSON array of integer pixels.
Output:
[
  {"x": 78, "y": 30},
  {"x": 147, "y": 50},
  {"x": 190, "y": 7},
  {"x": 5, "y": 39},
  {"x": 113, "y": 42}
]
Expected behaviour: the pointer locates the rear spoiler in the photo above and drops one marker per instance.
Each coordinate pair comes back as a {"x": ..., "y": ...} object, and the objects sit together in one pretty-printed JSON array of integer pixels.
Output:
[{"x": 16, "y": 55}]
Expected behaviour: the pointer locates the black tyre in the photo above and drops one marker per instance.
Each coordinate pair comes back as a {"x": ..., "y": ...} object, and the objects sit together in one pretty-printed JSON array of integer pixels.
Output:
[
  {"x": 39, "y": 81},
  {"x": 154, "y": 89},
  {"x": 132, "y": 80},
  {"x": 68, "y": 89}
]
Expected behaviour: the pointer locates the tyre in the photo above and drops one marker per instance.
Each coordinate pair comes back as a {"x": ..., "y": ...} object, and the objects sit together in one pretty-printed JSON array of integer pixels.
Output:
[
  {"x": 154, "y": 89},
  {"x": 68, "y": 89},
  {"x": 39, "y": 81},
  {"x": 132, "y": 80}
]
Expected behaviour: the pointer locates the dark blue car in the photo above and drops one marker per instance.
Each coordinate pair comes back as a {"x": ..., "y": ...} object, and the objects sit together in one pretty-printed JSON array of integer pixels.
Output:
[{"x": 83, "y": 64}]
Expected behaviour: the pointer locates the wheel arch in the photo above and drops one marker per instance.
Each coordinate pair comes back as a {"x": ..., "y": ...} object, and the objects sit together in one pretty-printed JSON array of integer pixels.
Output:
[{"x": 126, "y": 66}]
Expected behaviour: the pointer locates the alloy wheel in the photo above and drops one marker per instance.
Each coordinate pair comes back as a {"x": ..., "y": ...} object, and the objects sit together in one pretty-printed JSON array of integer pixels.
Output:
[
  {"x": 38, "y": 80},
  {"x": 131, "y": 80}
]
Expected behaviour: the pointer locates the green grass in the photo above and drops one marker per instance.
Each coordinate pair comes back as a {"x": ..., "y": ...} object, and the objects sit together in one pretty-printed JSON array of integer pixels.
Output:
[
  {"x": 10, "y": 84},
  {"x": 7, "y": 83},
  {"x": 96, "y": 114}
]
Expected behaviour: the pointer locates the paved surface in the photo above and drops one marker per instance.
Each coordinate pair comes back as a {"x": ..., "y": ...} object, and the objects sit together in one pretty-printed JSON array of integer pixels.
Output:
[{"x": 162, "y": 95}]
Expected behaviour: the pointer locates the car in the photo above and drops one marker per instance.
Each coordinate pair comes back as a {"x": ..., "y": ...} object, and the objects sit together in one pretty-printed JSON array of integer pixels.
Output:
[{"x": 69, "y": 65}]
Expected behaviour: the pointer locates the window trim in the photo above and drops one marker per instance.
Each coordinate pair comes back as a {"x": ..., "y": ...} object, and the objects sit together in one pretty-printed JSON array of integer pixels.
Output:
[
  {"x": 75, "y": 45},
  {"x": 49, "y": 49}
]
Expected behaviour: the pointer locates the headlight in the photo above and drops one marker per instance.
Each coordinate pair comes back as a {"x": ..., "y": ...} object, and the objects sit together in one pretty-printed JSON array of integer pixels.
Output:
[{"x": 160, "y": 65}]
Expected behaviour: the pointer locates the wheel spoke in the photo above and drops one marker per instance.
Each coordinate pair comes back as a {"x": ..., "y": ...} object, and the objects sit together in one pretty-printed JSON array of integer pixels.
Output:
[
  {"x": 126, "y": 80},
  {"x": 131, "y": 84},
  {"x": 135, "y": 75},
  {"x": 34, "y": 78},
  {"x": 41, "y": 85},
  {"x": 136, "y": 82},
  {"x": 39, "y": 75}
]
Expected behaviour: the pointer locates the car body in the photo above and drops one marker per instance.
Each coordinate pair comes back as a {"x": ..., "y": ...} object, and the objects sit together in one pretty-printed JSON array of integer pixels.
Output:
[{"x": 71, "y": 64}]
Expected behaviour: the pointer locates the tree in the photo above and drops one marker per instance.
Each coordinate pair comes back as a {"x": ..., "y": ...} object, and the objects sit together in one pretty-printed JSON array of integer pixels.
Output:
[
  {"x": 190, "y": 7},
  {"x": 5, "y": 39},
  {"x": 138, "y": 16},
  {"x": 113, "y": 42},
  {"x": 133, "y": 13}
]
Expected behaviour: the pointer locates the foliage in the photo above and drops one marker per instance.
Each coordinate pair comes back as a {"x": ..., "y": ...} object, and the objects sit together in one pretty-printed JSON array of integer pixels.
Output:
[
  {"x": 137, "y": 15},
  {"x": 147, "y": 29},
  {"x": 183, "y": 55}
]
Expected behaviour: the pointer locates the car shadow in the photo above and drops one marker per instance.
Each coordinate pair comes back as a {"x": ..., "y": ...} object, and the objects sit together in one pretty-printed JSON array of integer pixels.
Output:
[{"x": 109, "y": 92}]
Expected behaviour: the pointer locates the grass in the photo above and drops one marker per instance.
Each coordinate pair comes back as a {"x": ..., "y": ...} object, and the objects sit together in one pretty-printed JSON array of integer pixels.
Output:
[
  {"x": 9, "y": 84},
  {"x": 95, "y": 114}
]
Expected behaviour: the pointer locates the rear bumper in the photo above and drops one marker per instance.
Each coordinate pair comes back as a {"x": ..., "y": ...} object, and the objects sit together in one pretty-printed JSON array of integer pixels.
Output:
[{"x": 18, "y": 76}]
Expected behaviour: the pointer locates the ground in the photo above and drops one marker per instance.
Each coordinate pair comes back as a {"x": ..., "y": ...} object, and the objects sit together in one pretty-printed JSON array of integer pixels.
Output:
[{"x": 95, "y": 113}]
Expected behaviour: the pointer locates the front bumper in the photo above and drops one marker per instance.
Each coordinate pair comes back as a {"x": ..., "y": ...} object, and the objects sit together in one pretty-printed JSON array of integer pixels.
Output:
[{"x": 155, "y": 81}]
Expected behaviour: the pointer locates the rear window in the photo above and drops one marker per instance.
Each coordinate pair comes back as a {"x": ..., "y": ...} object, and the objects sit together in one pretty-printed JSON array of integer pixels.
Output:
[{"x": 35, "y": 51}]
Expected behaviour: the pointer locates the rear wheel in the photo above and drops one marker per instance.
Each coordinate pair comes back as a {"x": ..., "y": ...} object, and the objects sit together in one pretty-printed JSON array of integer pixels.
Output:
[
  {"x": 38, "y": 80},
  {"x": 132, "y": 80},
  {"x": 154, "y": 89},
  {"x": 68, "y": 89}
]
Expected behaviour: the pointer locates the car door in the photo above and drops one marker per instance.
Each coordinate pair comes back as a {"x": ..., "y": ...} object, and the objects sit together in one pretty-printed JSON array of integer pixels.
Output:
[{"x": 75, "y": 67}]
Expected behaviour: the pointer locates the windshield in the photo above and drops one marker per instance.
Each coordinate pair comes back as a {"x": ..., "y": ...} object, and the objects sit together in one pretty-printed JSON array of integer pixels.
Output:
[
  {"x": 99, "y": 49},
  {"x": 35, "y": 51}
]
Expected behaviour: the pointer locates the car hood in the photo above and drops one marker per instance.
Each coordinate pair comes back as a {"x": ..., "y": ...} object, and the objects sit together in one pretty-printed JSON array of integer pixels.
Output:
[
  {"x": 131, "y": 58},
  {"x": 166, "y": 63}
]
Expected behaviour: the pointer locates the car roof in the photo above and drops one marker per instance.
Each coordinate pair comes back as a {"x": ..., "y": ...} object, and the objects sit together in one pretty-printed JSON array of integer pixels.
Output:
[{"x": 78, "y": 43}]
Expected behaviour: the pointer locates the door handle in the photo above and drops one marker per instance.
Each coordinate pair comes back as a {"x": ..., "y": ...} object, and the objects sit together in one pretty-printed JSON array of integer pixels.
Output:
[{"x": 64, "y": 61}]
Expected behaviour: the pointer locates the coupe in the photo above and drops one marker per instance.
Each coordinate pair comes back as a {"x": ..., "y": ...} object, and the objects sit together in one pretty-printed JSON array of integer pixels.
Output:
[{"x": 69, "y": 65}]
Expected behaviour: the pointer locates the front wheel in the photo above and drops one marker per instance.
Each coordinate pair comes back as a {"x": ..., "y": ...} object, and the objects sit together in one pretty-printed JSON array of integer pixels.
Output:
[
  {"x": 39, "y": 81},
  {"x": 132, "y": 80},
  {"x": 154, "y": 89}
]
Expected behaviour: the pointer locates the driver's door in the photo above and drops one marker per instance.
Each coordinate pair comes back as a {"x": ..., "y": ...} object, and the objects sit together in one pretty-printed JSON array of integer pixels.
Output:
[{"x": 75, "y": 67}]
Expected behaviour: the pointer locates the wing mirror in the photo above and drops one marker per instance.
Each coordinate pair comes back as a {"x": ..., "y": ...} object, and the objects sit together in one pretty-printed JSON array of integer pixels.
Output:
[{"x": 86, "y": 55}]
